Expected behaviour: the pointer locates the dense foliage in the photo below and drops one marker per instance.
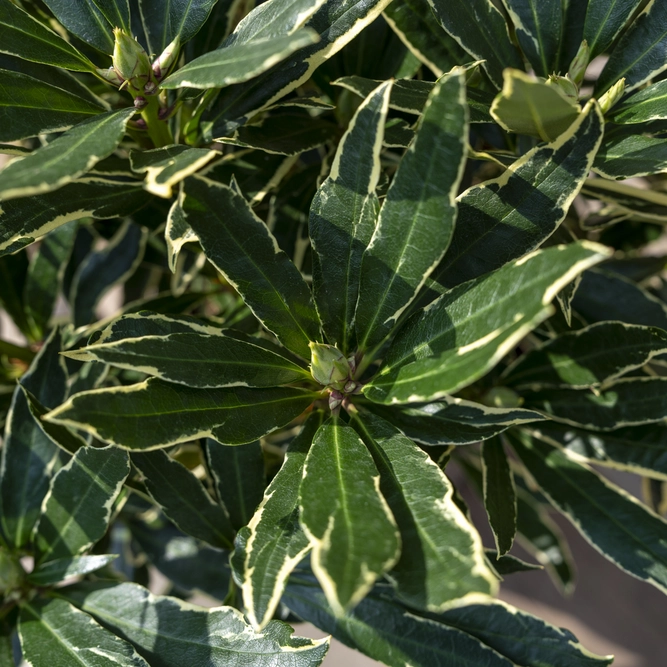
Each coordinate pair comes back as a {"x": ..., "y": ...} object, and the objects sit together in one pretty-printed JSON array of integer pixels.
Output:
[{"x": 357, "y": 244}]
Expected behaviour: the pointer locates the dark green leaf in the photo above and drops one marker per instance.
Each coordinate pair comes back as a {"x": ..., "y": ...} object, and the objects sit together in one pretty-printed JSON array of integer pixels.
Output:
[
  {"x": 639, "y": 55},
  {"x": 480, "y": 28},
  {"x": 264, "y": 276},
  {"x": 616, "y": 524},
  {"x": 502, "y": 219},
  {"x": 171, "y": 633},
  {"x": 116, "y": 12},
  {"x": 453, "y": 421},
  {"x": 157, "y": 414},
  {"x": 23, "y": 36},
  {"x": 436, "y": 536},
  {"x": 276, "y": 543},
  {"x": 499, "y": 494},
  {"x": 465, "y": 332},
  {"x": 14, "y": 273},
  {"x": 416, "y": 221},
  {"x": 342, "y": 511},
  {"x": 508, "y": 564},
  {"x": 343, "y": 216},
  {"x": 83, "y": 19},
  {"x": 56, "y": 634},
  {"x": 56, "y": 571},
  {"x": 645, "y": 105},
  {"x": 46, "y": 379},
  {"x": 77, "y": 509},
  {"x": 239, "y": 477},
  {"x": 65, "y": 158},
  {"x": 604, "y": 21},
  {"x": 630, "y": 156},
  {"x": 588, "y": 357},
  {"x": 183, "y": 499}
]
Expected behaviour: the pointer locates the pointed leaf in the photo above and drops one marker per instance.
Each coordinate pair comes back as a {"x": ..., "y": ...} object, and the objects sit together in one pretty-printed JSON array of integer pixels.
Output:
[
  {"x": 23, "y": 221},
  {"x": 508, "y": 564},
  {"x": 276, "y": 543},
  {"x": 453, "y": 421},
  {"x": 639, "y": 54},
  {"x": 158, "y": 414},
  {"x": 171, "y": 633},
  {"x": 631, "y": 156},
  {"x": 165, "y": 167},
  {"x": 417, "y": 218},
  {"x": 177, "y": 233},
  {"x": 502, "y": 219},
  {"x": 59, "y": 570},
  {"x": 183, "y": 499},
  {"x": 611, "y": 520},
  {"x": 25, "y": 37},
  {"x": 465, "y": 332},
  {"x": 604, "y": 21},
  {"x": 436, "y": 536},
  {"x": 480, "y": 28},
  {"x": 343, "y": 215},
  {"x": 238, "y": 63},
  {"x": 645, "y": 105},
  {"x": 55, "y": 634},
  {"x": 83, "y": 19},
  {"x": 65, "y": 158},
  {"x": 77, "y": 509},
  {"x": 264, "y": 276},
  {"x": 342, "y": 511},
  {"x": 499, "y": 494},
  {"x": 588, "y": 357},
  {"x": 116, "y": 12},
  {"x": 239, "y": 477}
]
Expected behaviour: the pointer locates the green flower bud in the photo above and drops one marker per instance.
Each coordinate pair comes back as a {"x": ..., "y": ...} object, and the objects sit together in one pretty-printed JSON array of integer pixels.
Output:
[
  {"x": 11, "y": 573},
  {"x": 110, "y": 75},
  {"x": 565, "y": 85},
  {"x": 329, "y": 366},
  {"x": 612, "y": 96},
  {"x": 167, "y": 58},
  {"x": 130, "y": 60},
  {"x": 502, "y": 397},
  {"x": 580, "y": 63}
]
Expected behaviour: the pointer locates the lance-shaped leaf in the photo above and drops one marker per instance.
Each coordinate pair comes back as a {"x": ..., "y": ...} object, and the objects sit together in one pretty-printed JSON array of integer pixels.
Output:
[
  {"x": 626, "y": 402},
  {"x": 45, "y": 276},
  {"x": 165, "y": 167},
  {"x": 183, "y": 499},
  {"x": 644, "y": 106},
  {"x": 417, "y": 218},
  {"x": 336, "y": 22},
  {"x": 414, "y": 23},
  {"x": 54, "y": 633},
  {"x": 65, "y": 158},
  {"x": 84, "y": 19},
  {"x": 116, "y": 12},
  {"x": 197, "y": 360},
  {"x": 24, "y": 220},
  {"x": 77, "y": 509},
  {"x": 465, "y": 332},
  {"x": 631, "y": 156},
  {"x": 242, "y": 248},
  {"x": 529, "y": 106},
  {"x": 102, "y": 269},
  {"x": 171, "y": 633},
  {"x": 487, "y": 632},
  {"x": 23, "y": 36},
  {"x": 29, "y": 107},
  {"x": 157, "y": 413},
  {"x": 178, "y": 18},
  {"x": 238, "y": 63},
  {"x": 507, "y": 564},
  {"x": 539, "y": 28},
  {"x": 616, "y": 524},
  {"x": 343, "y": 511},
  {"x": 239, "y": 477},
  {"x": 604, "y": 21},
  {"x": 177, "y": 233},
  {"x": 59, "y": 570},
  {"x": 638, "y": 449},
  {"x": 502, "y": 219},
  {"x": 29, "y": 457},
  {"x": 436, "y": 536},
  {"x": 639, "y": 54},
  {"x": 343, "y": 215},
  {"x": 499, "y": 494},
  {"x": 588, "y": 357},
  {"x": 453, "y": 421},
  {"x": 276, "y": 543},
  {"x": 480, "y": 28}
]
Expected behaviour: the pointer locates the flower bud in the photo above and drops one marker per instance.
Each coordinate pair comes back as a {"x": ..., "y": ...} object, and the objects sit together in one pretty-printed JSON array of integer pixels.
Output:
[
  {"x": 166, "y": 59},
  {"x": 612, "y": 96},
  {"x": 329, "y": 366},
  {"x": 111, "y": 76},
  {"x": 580, "y": 63},
  {"x": 565, "y": 85},
  {"x": 140, "y": 102},
  {"x": 130, "y": 60}
]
